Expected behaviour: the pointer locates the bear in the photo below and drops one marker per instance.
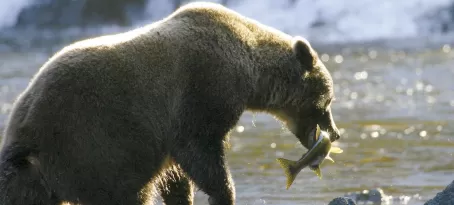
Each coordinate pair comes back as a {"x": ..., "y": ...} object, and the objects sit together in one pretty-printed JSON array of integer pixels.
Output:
[{"x": 127, "y": 117}]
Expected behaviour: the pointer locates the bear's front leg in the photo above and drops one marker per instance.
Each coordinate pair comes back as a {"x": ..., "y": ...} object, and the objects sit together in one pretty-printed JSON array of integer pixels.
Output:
[
  {"x": 204, "y": 162},
  {"x": 176, "y": 188}
]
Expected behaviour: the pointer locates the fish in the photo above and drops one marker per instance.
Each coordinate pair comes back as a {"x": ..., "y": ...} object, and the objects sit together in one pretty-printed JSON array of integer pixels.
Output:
[{"x": 313, "y": 158}]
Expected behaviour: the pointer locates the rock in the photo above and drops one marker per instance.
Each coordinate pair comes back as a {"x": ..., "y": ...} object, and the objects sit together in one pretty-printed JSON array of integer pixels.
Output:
[
  {"x": 375, "y": 196},
  {"x": 446, "y": 197},
  {"x": 371, "y": 196},
  {"x": 342, "y": 201}
]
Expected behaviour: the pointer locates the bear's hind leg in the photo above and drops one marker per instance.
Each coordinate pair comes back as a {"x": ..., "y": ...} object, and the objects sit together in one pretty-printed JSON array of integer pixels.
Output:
[
  {"x": 176, "y": 188},
  {"x": 20, "y": 180},
  {"x": 204, "y": 163}
]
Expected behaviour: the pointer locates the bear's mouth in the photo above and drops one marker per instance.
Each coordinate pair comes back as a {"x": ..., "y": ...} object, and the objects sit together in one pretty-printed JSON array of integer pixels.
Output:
[
  {"x": 305, "y": 131},
  {"x": 308, "y": 136}
]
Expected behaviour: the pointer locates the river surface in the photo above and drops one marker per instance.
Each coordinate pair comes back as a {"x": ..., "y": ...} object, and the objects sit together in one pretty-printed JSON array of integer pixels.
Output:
[{"x": 394, "y": 107}]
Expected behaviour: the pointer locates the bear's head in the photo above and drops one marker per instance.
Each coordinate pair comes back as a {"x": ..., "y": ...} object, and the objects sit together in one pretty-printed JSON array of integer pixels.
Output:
[
  {"x": 313, "y": 94},
  {"x": 298, "y": 89}
]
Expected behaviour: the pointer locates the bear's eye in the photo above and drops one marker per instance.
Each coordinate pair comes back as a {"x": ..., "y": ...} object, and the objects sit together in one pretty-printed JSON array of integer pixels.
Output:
[{"x": 327, "y": 102}]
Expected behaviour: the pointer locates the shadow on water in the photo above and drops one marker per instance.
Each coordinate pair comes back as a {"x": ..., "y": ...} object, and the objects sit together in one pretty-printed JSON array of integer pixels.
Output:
[{"x": 394, "y": 109}]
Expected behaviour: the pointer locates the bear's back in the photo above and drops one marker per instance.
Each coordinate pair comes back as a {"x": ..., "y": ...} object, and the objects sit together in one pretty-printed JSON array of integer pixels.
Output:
[
  {"x": 196, "y": 32},
  {"x": 201, "y": 47}
]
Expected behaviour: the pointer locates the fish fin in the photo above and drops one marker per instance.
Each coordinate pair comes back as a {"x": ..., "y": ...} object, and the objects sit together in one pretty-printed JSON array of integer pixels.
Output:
[
  {"x": 317, "y": 171},
  {"x": 329, "y": 158},
  {"x": 287, "y": 166},
  {"x": 336, "y": 150}
]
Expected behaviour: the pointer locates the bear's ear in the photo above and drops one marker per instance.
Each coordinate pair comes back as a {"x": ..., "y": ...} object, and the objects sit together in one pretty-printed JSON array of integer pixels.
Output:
[{"x": 304, "y": 53}]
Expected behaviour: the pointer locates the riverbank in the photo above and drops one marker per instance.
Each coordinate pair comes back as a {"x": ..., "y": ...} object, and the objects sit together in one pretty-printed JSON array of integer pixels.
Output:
[{"x": 445, "y": 197}]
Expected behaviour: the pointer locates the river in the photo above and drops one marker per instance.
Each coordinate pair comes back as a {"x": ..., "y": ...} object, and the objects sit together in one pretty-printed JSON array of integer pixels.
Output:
[{"x": 394, "y": 106}]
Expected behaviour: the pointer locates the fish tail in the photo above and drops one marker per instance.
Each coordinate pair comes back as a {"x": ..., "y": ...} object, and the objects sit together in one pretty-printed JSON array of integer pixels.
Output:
[{"x": 288, "y": 165}]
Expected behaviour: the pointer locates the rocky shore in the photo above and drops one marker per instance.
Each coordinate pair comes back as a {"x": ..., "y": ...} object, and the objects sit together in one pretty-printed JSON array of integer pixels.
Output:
[{"x": 445, "y": 197}]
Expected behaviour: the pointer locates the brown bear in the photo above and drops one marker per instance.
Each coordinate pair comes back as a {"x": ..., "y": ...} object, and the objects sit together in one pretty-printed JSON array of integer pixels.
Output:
[{"x": 120, "y": 118}]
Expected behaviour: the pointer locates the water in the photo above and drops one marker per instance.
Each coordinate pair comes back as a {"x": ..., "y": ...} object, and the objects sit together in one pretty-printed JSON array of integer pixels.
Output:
[
  {"x": 324, "y": 20},
  {"x": 9, "y": 11},
  {"x": 394, "y": 108}
]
